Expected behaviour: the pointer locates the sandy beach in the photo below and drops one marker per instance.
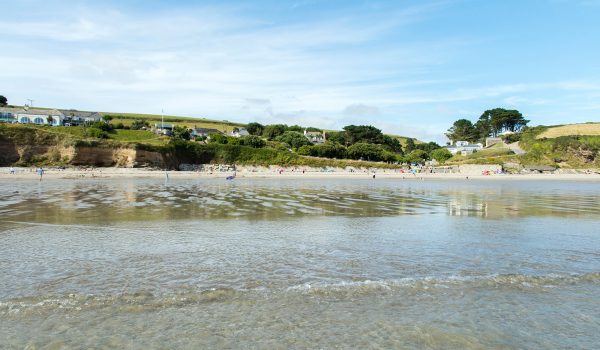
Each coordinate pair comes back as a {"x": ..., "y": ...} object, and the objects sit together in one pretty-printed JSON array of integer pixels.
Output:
[{"x": 253, "y": 172}]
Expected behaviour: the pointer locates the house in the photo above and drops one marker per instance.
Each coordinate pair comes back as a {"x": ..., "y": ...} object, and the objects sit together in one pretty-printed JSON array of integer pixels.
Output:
[
  {"x": 315, "y": 137},
  {"x": 8, "y": 114},
  {"x": 74, "y": 117},
  {"x": 239, "y": 132},
  {"x": 163, "y": 129},
  {"x": 464, "y": 148},
  {"x": 203, "y": 132},
  {"x": 28, "y": 115}
]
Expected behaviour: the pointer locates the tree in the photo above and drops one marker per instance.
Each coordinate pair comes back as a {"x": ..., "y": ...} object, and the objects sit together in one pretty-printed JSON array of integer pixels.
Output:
[
  {"x": 363, "y": 134},
  {"x": 253, "y": 141},
  {"x": 179, "y": 132},
  {"x": 293, "y": 138},
  {"x": 427, "y": 147},
  {"x": 137, "y": 124},
  {"x": 497, "y": 120},
  {"x": 441, "y": 154},
  {"x": 255, "y": 129},
  {"x": 410, "y": 145},
  {"x": 50, "y": 120},
  {"x": 274, "y": 130},
  {"x": 417, "y": 156},
  {"x": 329, "y": 150},
  {"x": 297, "y": 128},
  {"x": 462, "y": 130},
  {"x": 365, "y": 151},
  {"x": 217, "y": 138},
  {"x": 107, "y": 118},
  {"x": 337, "y": 137},
  {"x": 3, "y": 101},
  {"x": 392, "y": 144}
]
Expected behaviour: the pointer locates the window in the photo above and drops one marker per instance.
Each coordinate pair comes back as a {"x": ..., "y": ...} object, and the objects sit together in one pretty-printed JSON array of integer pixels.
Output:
[
  {"x": 24, "y": 120},
  {"x": 39, "y": 120}
]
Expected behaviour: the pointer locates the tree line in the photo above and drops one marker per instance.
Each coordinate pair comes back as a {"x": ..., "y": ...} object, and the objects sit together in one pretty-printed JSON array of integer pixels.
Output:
[{"x": 491, "y": 123}]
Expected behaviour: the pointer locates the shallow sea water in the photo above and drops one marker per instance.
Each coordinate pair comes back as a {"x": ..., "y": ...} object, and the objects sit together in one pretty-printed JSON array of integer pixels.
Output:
[{"x": 282, "y": 263}]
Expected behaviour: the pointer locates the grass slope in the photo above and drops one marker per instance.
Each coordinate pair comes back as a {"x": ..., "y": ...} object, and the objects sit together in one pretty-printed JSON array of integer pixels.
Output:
[{"x": 586, "y": 129}]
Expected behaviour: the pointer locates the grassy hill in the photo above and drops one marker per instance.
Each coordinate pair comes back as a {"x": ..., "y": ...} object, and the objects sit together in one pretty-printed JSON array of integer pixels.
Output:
[
  {"x": 586, "y": 129},
  {"x": 128, "y": 118}
]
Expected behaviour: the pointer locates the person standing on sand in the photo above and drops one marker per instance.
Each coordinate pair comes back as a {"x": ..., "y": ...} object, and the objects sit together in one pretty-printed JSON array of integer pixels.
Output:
[
  {"x": 12, "y": 170},
  {"x": 40, "y": 172}
]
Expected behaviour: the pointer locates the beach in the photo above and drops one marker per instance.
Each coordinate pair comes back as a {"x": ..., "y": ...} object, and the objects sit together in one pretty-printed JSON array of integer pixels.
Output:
[{"x": 278, "y": 172}]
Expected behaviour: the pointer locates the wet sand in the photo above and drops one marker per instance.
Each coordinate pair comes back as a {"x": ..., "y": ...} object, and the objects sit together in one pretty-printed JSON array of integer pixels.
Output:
[{"x": 249, "y": 172}]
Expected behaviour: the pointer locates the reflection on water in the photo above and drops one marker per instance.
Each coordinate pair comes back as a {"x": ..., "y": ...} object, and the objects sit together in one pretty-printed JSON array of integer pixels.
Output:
[
  {"x": 88, "y": 201},
  {"x": 262, "y": 263}
]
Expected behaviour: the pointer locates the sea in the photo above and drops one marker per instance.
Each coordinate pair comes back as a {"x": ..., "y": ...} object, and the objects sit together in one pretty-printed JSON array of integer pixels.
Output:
[{"x": 281, "y": 263}]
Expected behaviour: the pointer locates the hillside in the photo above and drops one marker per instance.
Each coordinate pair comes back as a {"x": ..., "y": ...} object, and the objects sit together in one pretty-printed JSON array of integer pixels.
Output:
[
  {"x": 586, "y": 129},
  {"x": 26, "y": 145}
]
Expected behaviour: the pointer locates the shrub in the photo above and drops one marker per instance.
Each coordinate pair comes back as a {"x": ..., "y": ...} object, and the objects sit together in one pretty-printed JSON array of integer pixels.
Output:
[
  {"x": 253, "y": 141},
  {"x": 365, "y": 151},
  {"x": 97, "y": 133},
  {"x": 293, "y": 138},
  {"x": 441, "y": 154}
]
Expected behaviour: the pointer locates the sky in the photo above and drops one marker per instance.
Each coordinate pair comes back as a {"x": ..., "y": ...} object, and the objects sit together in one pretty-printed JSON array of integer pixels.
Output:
[{"x": 407, "y": 67}]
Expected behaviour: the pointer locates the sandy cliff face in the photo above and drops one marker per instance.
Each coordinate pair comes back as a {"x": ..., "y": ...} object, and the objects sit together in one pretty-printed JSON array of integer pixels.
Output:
[{"x": 11, "y": 153}]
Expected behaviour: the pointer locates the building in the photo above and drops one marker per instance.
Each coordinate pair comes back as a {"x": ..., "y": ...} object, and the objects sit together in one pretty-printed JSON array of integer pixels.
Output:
[
  {"x": 315, "y": 137},
  {"x": 239, "y": 132},
  {"x": 163, "y": 129},
  {"x": 464, "y": 148},
  {"x": 74, "y": 117},
  {"x": 203, "y": 132},
  {"x": 8, "y": 114},
  {"x": 40, "y": 116}
]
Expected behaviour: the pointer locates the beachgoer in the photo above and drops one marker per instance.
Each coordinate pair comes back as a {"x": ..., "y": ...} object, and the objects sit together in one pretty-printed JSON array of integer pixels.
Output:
[
  {"x": 373, "y": 175},
  {"x": 12, "y": 170}
]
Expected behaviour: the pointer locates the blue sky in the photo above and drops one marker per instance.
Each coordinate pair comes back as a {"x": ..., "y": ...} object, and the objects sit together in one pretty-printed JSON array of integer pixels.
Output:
[{"x": 407, "y": 67}]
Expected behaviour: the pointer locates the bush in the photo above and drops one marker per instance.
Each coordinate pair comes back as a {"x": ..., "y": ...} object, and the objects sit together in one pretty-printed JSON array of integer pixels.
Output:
[
  {"x": 97, "y": 133},
  {"x": 293, "y": 138},
  {"x": 511, "y": 138},
  {"x": 329, "y": 150},
  {"x": 274, "y": 130},
  {"x": 253, "y": 141},
  {"x": 217, "y": 138},
  {"x": 137, "y": 124},
  {"x": 365, "y": 151},
  {"x": 417, "y": 156},
  {"x": 441, "y": 154},
  {"x": 102, "y": 126}
]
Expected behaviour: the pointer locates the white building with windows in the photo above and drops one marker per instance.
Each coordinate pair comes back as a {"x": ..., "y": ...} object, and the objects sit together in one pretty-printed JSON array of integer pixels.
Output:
[
  {"x": 464, "y": 148},
  {"x": 40, "y": 116}
]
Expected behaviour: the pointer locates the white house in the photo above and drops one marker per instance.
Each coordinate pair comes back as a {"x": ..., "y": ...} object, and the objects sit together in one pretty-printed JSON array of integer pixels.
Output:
[
  {"x": 40, "y": 116},
  {"x": 75, "y": 117},
  {"x": 239, "y": 132},
  {"x": 203, "y": 132},
  {"x": 464, "y": 148},
  {"x": 163, "y": 129},
  {"x": 9, "y": 114},
  {"x": 315, "y": 137}
]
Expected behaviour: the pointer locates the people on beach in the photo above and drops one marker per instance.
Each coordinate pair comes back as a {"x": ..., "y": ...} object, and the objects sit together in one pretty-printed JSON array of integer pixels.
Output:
[
  {"x": 40, "y": 172},
  {"x": 12, "y": 170}
]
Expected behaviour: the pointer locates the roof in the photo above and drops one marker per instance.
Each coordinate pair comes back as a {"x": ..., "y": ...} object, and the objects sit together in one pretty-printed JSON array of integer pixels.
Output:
[
  {"x": 82, "y": 114},
  {"x": 206, "y": 130},
  {"x": 10, "y": 110},
  {"x": 34, "y": 111},
  {"x": 163, "y": 125}
]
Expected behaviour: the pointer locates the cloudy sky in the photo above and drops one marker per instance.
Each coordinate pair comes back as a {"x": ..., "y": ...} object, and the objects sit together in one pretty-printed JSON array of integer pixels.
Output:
[{"x": 408, "y": 67}]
